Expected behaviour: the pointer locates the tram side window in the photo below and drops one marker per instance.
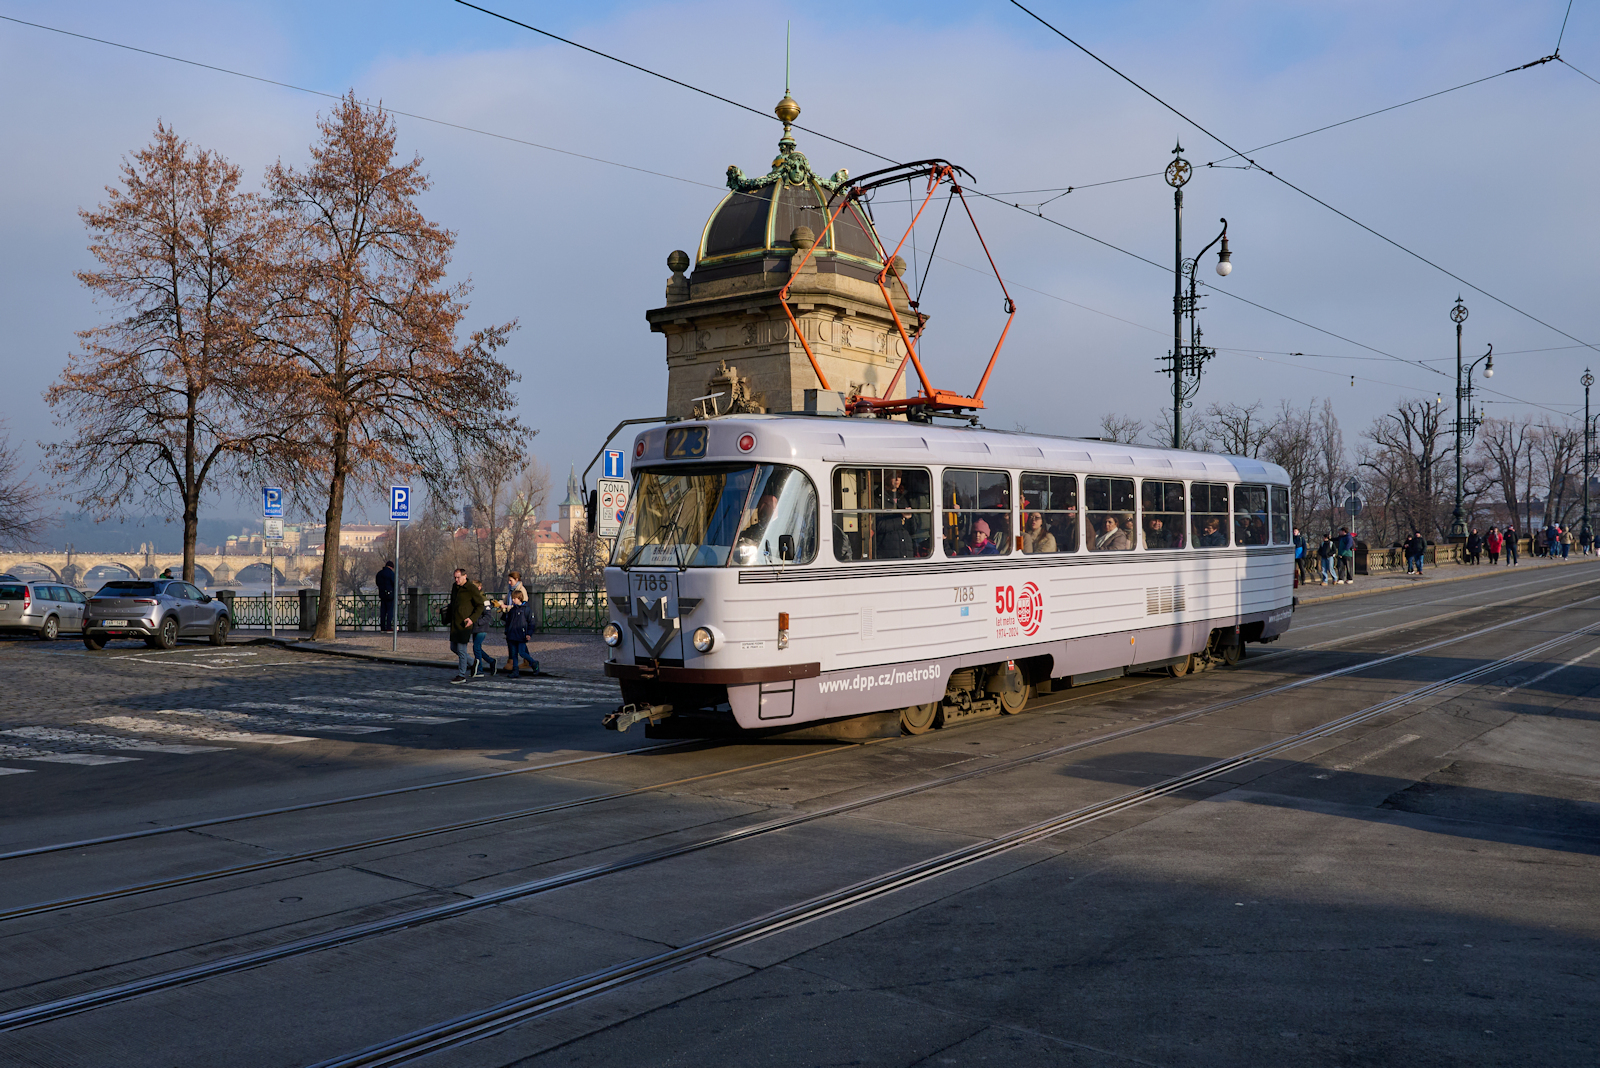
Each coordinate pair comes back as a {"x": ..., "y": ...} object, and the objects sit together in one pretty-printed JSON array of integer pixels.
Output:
[
  {"x": 1208, "y": 514},
  {"x": 1110, "y": 505},
  {"x": 1280, "y": 515},
  {"x": 977, "y": 512},
  {"x": 1249, "y": 515},
  {"x": 1161, "y": 512},
  {"x": 1049, "y": 513},
  {"x": 881, "y": 513},
  {"x": 782, "y": 505}
]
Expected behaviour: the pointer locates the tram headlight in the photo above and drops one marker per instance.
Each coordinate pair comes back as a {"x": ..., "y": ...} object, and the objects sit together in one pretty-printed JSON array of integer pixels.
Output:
[
  {"x": 611, "y": 634},
  {"x": 704, "y": 640}
]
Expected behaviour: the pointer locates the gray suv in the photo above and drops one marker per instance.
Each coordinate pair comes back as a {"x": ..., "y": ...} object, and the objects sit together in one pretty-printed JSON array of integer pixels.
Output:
[
  {"x": 46, "y": 608},
  {"x": 158, "y": 610}
]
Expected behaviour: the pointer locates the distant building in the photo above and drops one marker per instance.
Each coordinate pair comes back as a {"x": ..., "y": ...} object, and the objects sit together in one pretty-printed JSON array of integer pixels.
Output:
[{"x": 574, "y": 511}]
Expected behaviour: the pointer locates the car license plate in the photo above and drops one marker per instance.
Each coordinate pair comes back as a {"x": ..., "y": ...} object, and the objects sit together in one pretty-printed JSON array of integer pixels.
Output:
[{"x": 116, "y": 622}]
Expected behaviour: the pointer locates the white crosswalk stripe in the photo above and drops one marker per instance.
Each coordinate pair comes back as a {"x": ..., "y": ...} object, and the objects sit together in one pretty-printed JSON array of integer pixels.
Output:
[
  {"x": 300, "y": 708},
  {"x": 268, "y": 723},
  {"x": 146, "y": 725},
  {"x": 62, "y": 736},
  {"x": 51, "y": 756}
]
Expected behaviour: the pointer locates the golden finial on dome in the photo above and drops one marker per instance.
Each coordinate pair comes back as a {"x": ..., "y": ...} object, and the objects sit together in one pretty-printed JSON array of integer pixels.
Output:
[{"x": 787, "y": 110}]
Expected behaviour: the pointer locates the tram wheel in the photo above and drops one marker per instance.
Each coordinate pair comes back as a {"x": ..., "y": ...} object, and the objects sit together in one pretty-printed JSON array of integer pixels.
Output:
[
  {"x": 1012, "y": 703},
  {"x": 1232, "y": 654},
  {"x": 1182, "y": 668},
  {"x": 919, "y": 719}
]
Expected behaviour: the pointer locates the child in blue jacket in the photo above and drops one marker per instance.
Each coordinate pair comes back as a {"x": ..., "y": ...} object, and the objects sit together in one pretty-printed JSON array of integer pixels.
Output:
[{"x": 519, "y": 628}]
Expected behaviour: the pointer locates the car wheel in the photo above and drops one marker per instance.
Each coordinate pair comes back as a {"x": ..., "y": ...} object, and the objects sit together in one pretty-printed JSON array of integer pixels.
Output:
[
  {"x": 219, "y": 633},
  {"x": 51, "y": 629},
  {"x": 94, "y": 642},
  {"x": 166, "y": 637}
]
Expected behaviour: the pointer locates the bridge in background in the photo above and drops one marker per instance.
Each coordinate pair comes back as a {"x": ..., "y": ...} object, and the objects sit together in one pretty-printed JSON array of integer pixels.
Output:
[{"x": 213, "y": 570}]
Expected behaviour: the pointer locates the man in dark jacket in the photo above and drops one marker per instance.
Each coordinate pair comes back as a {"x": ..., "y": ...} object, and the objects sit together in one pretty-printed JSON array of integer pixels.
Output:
[
  {"x": 462, "y": 612},
  {"x": 385, "y": 583},
  {"x": 1474, "y": 546}
]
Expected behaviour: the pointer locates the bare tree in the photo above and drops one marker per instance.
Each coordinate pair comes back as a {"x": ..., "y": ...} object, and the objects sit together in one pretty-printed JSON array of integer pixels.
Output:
[
  {"x": 363, "y": 328},
  {"x": 1332, "y": 466},
  {"x": 1193, "y": 432},
  {"x": 1237, "y": 429},
  {"x": 1122, "y": 428},
  {"x": 506, "y": 491},
  {"x": 1292, "y": 445},
  {"x": 1559, "y": 454},
  {"x": 1506, "y": 446},
  {"x": 157, "y": 399},
  {"x": 1407, "y": 456},
  {"x": 22, "y": 517},
  {"x": 582, "y": 560}
]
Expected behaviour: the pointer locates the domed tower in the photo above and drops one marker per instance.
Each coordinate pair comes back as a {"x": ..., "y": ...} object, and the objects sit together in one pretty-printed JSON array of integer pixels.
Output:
[{"x": 725, "y": 328}]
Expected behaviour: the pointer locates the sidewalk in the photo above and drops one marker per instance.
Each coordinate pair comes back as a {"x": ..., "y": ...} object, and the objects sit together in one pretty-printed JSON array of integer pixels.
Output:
[
  {"x": 560, "y": 654},
  {"x": 1388, "y": 582}
]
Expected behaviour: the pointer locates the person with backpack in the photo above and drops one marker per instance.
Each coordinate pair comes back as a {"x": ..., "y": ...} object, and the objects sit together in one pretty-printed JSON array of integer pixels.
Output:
[
  {"x": 1347, "y": 556},
  {"x": 520, "y": 627}
]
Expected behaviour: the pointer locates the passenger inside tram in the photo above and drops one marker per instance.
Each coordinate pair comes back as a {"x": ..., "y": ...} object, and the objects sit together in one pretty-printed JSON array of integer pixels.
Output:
[
  {"x": 979, "y": 543},
  {"x": 1110, "y": 536},
  {"x": 1036, "y": 537},
  {"x": 1211, "y": 534}
]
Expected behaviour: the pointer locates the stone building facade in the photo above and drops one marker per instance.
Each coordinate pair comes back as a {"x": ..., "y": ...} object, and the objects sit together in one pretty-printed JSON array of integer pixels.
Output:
[{"x": 723, "y": 324}]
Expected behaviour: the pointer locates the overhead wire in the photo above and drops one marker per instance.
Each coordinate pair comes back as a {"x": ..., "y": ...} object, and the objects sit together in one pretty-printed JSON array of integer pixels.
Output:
[
  {"x": 1298, "y": 189},
  {"x": 707, "y": 185}
]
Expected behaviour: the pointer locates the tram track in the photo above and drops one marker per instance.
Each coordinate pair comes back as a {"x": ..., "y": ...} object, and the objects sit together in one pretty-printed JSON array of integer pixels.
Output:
[
  {"x": 86, "y": 1001},
  {"x": 306, "y": 856},
  {"x": 470, "y": 1027}
]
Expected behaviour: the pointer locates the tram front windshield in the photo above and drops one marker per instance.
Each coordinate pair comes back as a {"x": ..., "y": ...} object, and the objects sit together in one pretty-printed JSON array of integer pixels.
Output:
[{"x": 712, "y": 516}]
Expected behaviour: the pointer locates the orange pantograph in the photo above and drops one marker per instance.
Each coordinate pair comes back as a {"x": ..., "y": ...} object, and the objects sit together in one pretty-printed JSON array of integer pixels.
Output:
[{"x": 937, "y": 173}]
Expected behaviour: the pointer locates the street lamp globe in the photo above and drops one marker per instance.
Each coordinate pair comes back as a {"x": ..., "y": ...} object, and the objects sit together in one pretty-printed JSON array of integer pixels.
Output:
[
  {"x": 1587, "y": 380},
  {"x": 1224, "y": 258}
]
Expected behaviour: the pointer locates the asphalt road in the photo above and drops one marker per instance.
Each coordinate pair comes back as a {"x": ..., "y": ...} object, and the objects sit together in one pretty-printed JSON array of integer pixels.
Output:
[{"x": 1403, "y": 872}]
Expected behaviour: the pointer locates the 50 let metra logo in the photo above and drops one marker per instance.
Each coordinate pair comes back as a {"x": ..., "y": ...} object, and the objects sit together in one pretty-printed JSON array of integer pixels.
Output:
[{"x": 1018, "y": 611}]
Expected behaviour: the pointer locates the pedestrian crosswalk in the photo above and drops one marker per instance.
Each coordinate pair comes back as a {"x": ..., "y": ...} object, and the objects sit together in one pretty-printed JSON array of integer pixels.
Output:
[{"x": 99, "y": 740}]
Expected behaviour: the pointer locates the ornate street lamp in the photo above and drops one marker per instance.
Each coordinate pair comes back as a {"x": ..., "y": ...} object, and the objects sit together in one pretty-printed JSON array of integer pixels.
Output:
[
  {"x": 1186, "y": 362},
  {"x": 1463, "y": 427},
  {"x": 1586, "y": 532}
]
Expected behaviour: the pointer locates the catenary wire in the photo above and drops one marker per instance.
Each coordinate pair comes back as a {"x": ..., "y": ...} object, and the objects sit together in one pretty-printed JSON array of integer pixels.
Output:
[
  {"x": 1304, "y": 192},
  {"x": 707, "y": 185}
]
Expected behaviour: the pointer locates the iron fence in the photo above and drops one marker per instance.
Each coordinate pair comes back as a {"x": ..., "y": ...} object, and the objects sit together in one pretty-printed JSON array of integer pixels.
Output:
[{"x": 555, "y": 611}]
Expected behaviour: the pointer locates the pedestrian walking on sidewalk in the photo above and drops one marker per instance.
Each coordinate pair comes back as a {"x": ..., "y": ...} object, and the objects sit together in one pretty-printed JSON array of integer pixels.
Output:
[
  {"x": 519, "y": 628},
  {"x": 465, "y": 608},
  {"x": 1493, "y": 541},
  {"x": 385, "y": 583},
  {"x": 480, "y": 631},
  {"x": 1474, "y": 546},
  {"x": 1585, "y": 540},
  {"x": 1414, "y": 548},
  {"x": 1326, "y": 553},
  {"x": 1300, "y": 557},
  {"x": 1347, "y": 556},
  {"x": 1511, "y": 545},
  {"x": 1566, "y": 542}
]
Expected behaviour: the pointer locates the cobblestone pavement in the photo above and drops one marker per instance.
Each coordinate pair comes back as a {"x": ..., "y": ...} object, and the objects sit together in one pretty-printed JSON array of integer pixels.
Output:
[{"x": 69, "y": 708}]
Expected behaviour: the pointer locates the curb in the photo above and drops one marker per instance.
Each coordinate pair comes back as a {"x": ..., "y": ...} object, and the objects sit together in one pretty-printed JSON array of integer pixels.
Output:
[{"x": 1325, "y": 598}]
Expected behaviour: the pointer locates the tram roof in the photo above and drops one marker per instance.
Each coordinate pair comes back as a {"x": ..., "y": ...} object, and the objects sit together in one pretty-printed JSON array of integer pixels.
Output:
[{"x": 883, "y": 442}]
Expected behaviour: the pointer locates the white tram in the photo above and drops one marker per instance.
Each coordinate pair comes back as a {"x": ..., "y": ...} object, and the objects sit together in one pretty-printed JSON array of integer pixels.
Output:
[{"x": 779, "y": 570}]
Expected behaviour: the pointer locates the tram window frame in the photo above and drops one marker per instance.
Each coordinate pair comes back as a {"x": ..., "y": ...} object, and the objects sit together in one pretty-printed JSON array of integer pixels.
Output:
[
  {"x": 862, "y": 549},
  {"x": 1279, "y": 519},
  {"x": 1245, "y": 514},
  {"x": 1215, "y": 493},
  {"x": 1112, "y": 491},
  {"x": 1174, "y": 520},
  {"x": 958, "y": 521},
  {"x": 1045, "y": 506}
]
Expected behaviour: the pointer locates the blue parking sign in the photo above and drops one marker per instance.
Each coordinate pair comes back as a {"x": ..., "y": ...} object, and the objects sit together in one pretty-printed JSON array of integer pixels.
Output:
[
  {"x": 399, "y": 504},
  {"x": 613, "y": 464},
  {"x": 271, "y": 502}
]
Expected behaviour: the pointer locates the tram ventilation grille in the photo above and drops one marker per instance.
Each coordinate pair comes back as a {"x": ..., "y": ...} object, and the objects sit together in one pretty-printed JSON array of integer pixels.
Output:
[{"x": 1160, "y": 600}]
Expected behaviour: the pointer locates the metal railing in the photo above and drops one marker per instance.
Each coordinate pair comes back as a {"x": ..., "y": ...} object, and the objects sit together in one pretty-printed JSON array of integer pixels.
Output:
[{"x": 555, "y": 611}]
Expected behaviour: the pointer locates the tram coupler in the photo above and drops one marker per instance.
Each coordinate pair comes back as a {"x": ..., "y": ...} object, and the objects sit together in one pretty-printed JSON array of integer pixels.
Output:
[{"x": 627, "y": 715}]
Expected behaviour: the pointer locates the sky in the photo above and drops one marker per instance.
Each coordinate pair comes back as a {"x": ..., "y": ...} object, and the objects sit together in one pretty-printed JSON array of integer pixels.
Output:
[{"x": 1493, "y": 182}]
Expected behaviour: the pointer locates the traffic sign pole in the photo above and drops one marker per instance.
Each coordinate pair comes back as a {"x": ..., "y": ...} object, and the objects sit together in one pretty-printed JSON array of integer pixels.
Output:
[{"x": 399, "y": 512}]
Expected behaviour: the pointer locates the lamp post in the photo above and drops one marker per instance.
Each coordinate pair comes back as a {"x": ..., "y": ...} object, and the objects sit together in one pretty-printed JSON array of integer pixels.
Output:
[
  {"x": 1458, "y": 522},
  {"x": 1187, "y": 361},
  {"x": 1586, "y": 532}
]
